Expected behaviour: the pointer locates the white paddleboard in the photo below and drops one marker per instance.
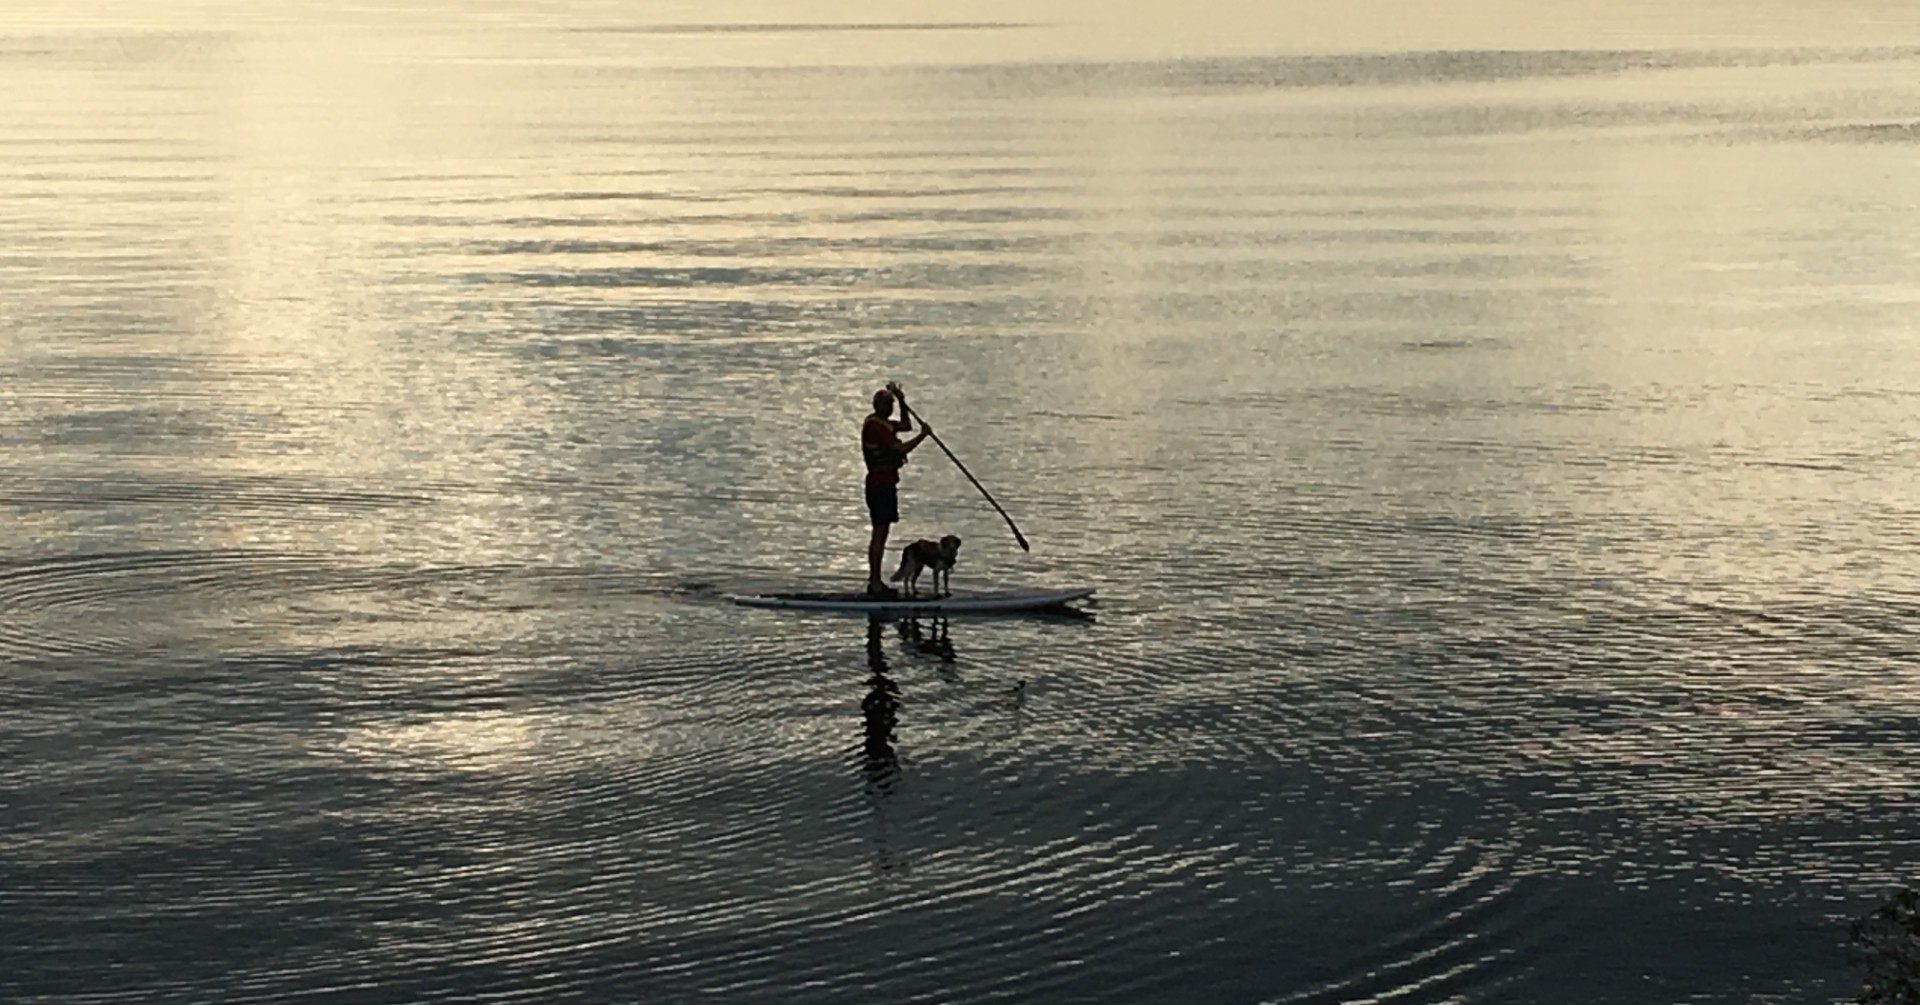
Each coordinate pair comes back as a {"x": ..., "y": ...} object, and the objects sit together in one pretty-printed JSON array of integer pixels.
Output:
[{"x": 958, "y": 602}]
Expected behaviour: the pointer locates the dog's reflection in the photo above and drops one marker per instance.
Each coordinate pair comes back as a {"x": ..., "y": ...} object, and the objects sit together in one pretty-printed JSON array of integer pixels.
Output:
[{"x": 932, "y": 638}]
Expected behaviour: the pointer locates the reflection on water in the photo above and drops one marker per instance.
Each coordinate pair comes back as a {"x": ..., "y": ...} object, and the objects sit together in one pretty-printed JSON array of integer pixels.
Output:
[
  {"x": 933, "y": 638},
  {"x": 880, "y": 714}
]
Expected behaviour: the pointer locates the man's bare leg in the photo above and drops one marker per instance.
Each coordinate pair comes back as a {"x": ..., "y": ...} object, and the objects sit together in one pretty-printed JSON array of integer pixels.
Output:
[{"x": 876, "y": 553}]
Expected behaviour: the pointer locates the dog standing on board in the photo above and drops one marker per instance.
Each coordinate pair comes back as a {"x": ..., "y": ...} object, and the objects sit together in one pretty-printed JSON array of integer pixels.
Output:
[{"x": 936, "y": 556}]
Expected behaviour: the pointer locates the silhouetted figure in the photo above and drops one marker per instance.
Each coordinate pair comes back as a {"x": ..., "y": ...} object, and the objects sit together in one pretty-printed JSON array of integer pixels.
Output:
[{"x": 885, "y": 453}]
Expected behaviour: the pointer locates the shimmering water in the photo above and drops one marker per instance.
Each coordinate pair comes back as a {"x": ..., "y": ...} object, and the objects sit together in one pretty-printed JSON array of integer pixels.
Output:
[{"x": 1493, "y": 451}]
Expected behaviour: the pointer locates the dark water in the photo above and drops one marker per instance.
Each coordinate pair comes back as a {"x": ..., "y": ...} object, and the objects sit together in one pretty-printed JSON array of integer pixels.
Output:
[{"x": 1495, "y": 465}]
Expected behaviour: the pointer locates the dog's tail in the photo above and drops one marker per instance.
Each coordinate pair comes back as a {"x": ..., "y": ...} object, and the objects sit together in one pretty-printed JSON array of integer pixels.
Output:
[{"x": 900, "y": 573}]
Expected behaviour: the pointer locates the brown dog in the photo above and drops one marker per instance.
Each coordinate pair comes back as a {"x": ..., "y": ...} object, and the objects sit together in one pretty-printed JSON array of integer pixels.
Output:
[{"x": 923, "y": 555}]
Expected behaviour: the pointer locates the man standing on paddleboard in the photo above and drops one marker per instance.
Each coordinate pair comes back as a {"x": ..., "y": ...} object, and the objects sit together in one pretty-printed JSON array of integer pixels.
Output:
[{"x": 884, "y": 452}]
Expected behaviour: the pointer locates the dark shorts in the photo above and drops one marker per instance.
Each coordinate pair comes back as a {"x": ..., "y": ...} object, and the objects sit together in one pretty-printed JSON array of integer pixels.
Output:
[{"x": 883, "y": 503}]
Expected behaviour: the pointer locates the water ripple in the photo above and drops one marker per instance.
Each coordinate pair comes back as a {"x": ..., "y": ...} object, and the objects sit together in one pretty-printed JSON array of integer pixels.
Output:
[{"x": 1493, "y": 482}]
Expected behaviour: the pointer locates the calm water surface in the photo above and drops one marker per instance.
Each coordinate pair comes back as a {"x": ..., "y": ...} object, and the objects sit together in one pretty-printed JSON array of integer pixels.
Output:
[{"x": 1495, "y": 463}]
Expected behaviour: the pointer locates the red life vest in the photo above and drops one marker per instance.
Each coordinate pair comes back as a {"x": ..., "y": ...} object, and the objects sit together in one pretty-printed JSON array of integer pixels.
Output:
[{"x": 880, "y": 447}]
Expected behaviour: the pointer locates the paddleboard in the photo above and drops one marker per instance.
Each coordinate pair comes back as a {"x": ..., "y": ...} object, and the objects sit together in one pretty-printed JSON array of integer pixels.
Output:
[{"x": 958, "y": 602}]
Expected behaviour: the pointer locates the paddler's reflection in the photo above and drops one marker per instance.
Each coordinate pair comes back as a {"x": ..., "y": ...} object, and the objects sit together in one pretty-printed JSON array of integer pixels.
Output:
[
  {"x": 880, "y": 712},
  {"x": 880, "y": 709}
]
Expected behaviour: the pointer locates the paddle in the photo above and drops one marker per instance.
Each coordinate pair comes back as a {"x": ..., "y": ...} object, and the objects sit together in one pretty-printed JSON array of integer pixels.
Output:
[{"x": 908, "y": 412}]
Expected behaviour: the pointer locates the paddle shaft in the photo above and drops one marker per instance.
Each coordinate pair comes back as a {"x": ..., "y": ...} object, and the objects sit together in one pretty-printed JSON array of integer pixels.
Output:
[{"x": 931, "y": 435}]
